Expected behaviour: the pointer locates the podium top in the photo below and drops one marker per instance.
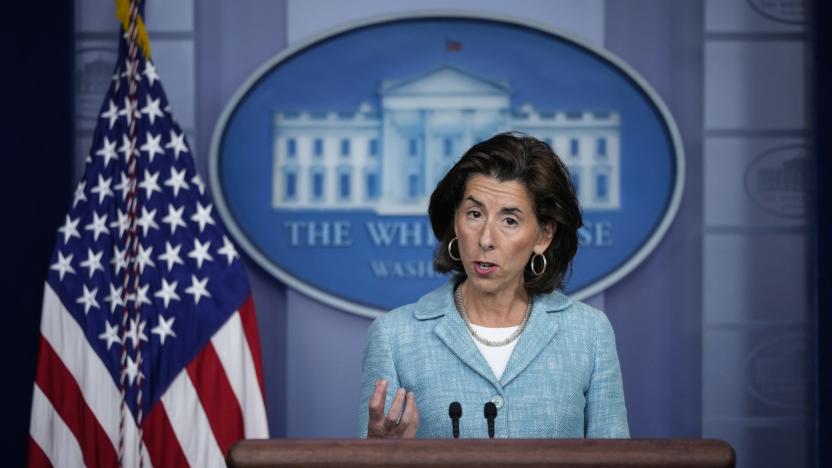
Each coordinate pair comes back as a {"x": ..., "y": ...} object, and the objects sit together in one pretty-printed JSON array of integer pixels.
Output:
[{"x": 698, "y": 453}]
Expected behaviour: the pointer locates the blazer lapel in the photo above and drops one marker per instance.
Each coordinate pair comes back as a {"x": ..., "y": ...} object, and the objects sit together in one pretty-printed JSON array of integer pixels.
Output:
[
  {"x": 540, "y": 330},
  {"x": 452, "y": 331}
]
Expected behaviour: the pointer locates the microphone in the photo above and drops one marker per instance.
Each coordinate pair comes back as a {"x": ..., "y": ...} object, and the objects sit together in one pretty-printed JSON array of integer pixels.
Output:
[
  {"x": 490, "y": 412},
  {"x": 455, "y": 412}
]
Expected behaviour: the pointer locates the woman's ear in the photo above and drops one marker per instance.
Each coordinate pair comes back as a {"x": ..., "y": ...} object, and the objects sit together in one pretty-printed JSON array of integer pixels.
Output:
[{"x": 545, "y": 237}]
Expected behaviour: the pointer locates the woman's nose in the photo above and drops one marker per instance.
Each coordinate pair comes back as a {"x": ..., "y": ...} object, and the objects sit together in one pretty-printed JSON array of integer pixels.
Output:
[{"x": 486, "y": 237}]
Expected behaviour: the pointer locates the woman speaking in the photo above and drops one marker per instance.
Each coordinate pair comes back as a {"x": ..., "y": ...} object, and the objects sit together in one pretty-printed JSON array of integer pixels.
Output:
[{"x": 500, "y": 331}]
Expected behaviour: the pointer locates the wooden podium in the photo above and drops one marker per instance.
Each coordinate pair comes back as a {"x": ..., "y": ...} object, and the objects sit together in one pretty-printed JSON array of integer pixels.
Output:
[{"x": 698, "y": 453}]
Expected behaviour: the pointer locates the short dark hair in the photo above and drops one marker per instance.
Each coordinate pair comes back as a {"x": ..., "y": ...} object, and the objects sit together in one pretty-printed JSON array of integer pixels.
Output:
[{"x": 522, "y": 158}]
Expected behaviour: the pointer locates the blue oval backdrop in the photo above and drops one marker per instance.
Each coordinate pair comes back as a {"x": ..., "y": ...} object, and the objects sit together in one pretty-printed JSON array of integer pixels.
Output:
[{"x": 323, "y": 162}]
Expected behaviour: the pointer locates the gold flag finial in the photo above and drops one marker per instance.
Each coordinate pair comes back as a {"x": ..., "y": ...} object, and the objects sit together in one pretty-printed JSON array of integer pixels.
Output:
[{"x": 123, "y": 15}]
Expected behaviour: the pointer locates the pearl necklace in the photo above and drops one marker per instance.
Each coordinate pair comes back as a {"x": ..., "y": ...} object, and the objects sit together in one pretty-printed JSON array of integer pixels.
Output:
[{"x": 460, "y": 307}]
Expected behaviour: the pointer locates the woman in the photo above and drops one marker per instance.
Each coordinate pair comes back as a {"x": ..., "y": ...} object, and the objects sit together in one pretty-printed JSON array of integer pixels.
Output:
[{"x": 507, "y": 218}]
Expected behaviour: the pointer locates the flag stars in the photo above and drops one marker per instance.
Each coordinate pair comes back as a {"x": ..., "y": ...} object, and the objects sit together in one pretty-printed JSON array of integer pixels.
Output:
[
  {"x": 103, "y": 188},
  {"x": 198, "y": 288},
  {"x": 125, "y": 147},
  {"x": 110, "y": 334},
  {"x": 115, "y": 298},
  {"x": 123, "y": 186},
  {"x": 197, "y": 180},
  {"x": 200, "y": 252},
  {"x": 149, "y": 183},
  {"x": 107, "y": 151},
  {"x": 98, "y": 225},
  {"x": 131, "y": 371},
  {"x": 202, "y": 215},
  {"x": 143, "y": 258},
  {"x": 127, "y": 109},
  {"x": 176, "y": 181},
  {"x": 112, "y": 113},
  {"x": 63, "y": 265},
  {"x": 177, "y": 143},
  {"x": 128, "y": 69},
  {"x": 88, "y": 299},
  {"x": 150, "y": 72},
  {"x": 135, "y": 332},
  {"x": 171, "y": 255},
  {"x": 174, "y": 218},
  {"x": 117, "y": 81},
  {"x": 168, "y": 292},
  {"x": 122, "y": 223},
  {"x": 141, "y": 296},
  {"x": 151, "y": 145},
  {"x": 80, "y": 195},
  {"x": 147, "y": 221},
  {"x": 164, "y": 329},
  {"x": 93, "y": 262},
  {"x": 152, "y": 110},
  {"x": 118, "y": 261},
  {"x": 228, "y": 250},
  {"x": 70, "y": 229}
]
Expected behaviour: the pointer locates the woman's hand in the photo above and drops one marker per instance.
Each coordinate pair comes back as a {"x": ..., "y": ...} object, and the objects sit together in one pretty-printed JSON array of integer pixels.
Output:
[{"x": 401, "y": 422}]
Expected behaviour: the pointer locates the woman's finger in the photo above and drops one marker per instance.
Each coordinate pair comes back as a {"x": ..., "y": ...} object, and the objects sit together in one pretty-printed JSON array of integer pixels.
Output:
[
  {"x": 376, "y": 407},
  {"x": 409, "y": 423},
  {"x": 392, "y": 418}
]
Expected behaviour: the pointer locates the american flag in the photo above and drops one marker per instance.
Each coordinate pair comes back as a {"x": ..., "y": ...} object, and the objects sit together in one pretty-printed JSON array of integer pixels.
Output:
[{"x": 149, "y": 353}]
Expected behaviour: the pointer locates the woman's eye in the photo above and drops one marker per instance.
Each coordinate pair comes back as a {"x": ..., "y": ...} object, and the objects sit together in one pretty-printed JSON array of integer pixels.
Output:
[
  {"x": 511, "y": 221},
  {"x": 474, "y": 214}
]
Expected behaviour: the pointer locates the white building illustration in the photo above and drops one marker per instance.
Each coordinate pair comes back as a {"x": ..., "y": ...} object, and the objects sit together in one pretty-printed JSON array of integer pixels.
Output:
[{"x": 390, "y": 160}]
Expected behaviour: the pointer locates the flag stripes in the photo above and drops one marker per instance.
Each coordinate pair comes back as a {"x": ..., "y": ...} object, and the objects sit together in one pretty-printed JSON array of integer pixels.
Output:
[
  {"x": 157, "y": 439},
  {"x": 249, "y": 321},
  {"x": 224, "y": 416},
  {"x": 52, "y": 435},
  {"x": 62, "y": 391},
  {"x": 190, "y": 423},
  {"x": 241, "y": 368},
  {"x": 202, "y": 410},
  {"x": 37, "y": 459}
]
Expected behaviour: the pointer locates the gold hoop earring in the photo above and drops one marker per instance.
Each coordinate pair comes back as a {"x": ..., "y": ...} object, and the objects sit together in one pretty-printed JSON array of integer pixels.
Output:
[
  {"x": 545, "y": 264},
  {"x": 450, "y": 251}
]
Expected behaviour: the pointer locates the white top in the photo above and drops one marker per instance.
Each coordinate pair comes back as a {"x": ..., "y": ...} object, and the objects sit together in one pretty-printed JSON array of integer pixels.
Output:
[{"x": 496, "y": 356}]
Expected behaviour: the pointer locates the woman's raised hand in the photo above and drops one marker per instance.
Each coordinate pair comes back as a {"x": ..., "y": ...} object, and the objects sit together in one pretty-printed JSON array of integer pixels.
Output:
[{"x": 401, "y": 422}]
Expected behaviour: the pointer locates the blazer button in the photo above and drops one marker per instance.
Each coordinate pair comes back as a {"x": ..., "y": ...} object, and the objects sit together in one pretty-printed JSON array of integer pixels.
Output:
[{"x": 498, "y": 401}]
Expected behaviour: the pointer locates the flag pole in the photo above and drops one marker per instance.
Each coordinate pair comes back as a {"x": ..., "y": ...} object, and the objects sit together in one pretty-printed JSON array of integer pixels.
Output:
[{"x": 132, "y": 244}]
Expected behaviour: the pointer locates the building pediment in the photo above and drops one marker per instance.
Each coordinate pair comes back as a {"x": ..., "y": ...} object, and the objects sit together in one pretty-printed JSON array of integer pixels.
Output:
[{"x": 445, "y": 80}]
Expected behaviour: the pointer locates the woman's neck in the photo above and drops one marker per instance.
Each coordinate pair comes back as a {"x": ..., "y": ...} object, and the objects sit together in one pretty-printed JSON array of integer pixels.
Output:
[{"x": 505, "y": 308}]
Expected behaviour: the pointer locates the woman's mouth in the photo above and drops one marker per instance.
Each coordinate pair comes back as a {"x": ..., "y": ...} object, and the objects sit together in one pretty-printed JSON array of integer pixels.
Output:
[{"x": 484, "y": 268}]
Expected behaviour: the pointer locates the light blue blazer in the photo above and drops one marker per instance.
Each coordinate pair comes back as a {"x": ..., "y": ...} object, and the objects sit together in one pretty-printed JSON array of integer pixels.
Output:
[{"x": 562, "y": 380}]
